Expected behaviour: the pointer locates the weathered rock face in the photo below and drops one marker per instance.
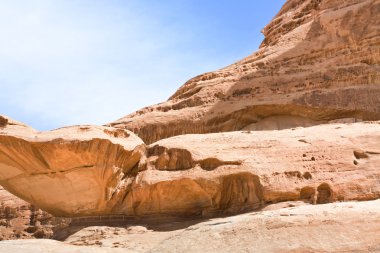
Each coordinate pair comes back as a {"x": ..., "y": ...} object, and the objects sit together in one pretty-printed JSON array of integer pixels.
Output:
[
  {"x": 86, "y": 170},
  {"x": 70, "y": 170},
  {"x": 237, "y": 171},
  {"x": 319, "y": 63},
  {"x": 22, "y": 220}
]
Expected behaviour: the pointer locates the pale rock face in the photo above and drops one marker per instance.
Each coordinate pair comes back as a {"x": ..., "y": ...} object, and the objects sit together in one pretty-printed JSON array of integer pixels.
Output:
[{"x": 319, "y": 62}]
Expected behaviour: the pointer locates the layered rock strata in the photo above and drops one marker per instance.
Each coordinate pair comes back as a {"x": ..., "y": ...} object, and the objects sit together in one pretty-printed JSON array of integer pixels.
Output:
[
  {"x": 87, "y": 171},
  {"x": 319, "y": 63}
]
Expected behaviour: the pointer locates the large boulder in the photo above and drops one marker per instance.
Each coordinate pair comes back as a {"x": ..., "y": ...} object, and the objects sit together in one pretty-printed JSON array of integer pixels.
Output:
[{"x": 68, "y": 171}]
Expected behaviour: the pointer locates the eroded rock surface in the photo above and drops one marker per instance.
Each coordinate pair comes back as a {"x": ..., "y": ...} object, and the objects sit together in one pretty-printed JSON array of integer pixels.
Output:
[
  {"x": 68, "y": 171},
  {"x": 87, "y": 171},
  {"x": 319, "y": 63},
  {"x": 22, "y": 220},
  {"x": 336, "y": 227},
  {"x": 245, "y": 170}
]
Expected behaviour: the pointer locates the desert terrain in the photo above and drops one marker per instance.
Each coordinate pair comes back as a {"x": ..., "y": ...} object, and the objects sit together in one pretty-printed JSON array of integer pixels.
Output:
[{"x": 278, "y": 152}]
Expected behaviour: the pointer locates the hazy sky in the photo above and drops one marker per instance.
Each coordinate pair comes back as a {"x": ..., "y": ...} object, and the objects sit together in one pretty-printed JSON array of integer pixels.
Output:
[{"x": 65, "y": 62}]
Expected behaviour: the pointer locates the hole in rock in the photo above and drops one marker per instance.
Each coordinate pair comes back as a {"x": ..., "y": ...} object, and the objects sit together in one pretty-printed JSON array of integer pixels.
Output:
[
  {"x": 307, "y": 193},
  {"x": 324, "y": 194}
]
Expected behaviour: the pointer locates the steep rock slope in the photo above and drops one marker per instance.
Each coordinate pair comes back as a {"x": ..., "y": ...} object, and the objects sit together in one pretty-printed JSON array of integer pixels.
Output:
[{"x": 319, "y": 63}]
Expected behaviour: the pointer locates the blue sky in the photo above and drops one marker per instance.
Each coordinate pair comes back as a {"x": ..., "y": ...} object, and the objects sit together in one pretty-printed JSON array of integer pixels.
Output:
[{"x": 66, "y": 62}]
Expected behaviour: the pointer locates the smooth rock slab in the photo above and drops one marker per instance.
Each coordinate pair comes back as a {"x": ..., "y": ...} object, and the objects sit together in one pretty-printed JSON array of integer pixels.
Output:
[{"x": 336, "y": 227}]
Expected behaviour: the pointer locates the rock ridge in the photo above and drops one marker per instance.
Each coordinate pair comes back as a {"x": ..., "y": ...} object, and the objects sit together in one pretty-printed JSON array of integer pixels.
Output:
[
  {"x": 318, "y": 55},
  {"x": 90, "y": 172}
]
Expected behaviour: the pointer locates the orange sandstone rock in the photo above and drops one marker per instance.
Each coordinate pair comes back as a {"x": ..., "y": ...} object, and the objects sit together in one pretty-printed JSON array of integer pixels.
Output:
[
  {"x": 82, "y": 171},
  {"x": 319, "y": 63}
]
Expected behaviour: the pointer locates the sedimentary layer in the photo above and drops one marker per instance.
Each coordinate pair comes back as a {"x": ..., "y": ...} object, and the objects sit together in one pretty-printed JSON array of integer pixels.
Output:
[
  {"x": 87, "y": 171},
  {"x": 71, "y": 170},
  {"x": 319, "y": 63}
]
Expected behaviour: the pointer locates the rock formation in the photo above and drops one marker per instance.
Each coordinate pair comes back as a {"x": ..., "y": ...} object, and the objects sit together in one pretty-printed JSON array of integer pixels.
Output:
[
  {"x": 230, "y": 141},
  {"x": 337, "y": 227},
  {"x": 319, "y": 63},
  {"x": 101, "y": 170},
  {"x": 22, "y": 220},
  {"x": 67, "y": 171}
]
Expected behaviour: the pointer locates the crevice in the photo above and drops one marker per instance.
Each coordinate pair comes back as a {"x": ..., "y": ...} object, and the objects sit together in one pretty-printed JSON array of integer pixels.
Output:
[
  {"x": 360, "y": 154},
  {"x": 325, "y": 194},
  {"x": 213, "y": 163},
  {"x": 240, "y": 192},
  {"x": 174, "y": 159},
  {"x": 307, "y": 193}
]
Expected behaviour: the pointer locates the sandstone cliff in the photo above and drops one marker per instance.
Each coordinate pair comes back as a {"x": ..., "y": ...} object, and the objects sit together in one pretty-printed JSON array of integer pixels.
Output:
[
  {"x": 319, "y": 63},
  {"x": 81, "y": 171},
  {"x": 20, "y": 219}
]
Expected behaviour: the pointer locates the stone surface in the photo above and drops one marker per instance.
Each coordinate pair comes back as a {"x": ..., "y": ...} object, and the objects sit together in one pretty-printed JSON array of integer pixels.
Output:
[
  {"x": 68, "y": 171},
  {"x": 336, "y": 227},
  {"x": 319, "y": 63},
  {"x": 88, "y": 172},
  {"x": 284, "y": 124},
  {"x": 50, "y": 246},
  {"x": 21, "y": 220},
  {"x": 238, "y": 171}
]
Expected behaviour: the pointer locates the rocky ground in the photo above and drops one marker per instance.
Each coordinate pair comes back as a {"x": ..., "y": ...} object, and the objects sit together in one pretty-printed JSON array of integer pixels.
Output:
[
  {"x": 285, "y": 227},
  {"x": 21, "y": 220}
]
